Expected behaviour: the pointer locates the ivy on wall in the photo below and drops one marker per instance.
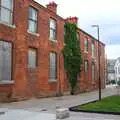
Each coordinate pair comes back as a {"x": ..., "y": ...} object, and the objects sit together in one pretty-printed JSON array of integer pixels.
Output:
[{"x": 72, "y": 54}]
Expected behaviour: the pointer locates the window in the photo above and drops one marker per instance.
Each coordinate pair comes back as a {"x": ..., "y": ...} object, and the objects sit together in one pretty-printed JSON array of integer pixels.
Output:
[
  {"x": 93, "y": 49},
  {"x": 93, "y": 71},
  {"x": 53, "y": 66},
  {"x": 78, "y": 37},
  {"x": 32, "y": 58},
  {"x": 52, "y": 29},
  {"x": 86, "y": 45},
  {"x": 5, "y": 60},
  {"x": 119, "y": 70},
  {"x": 86, "y": 66},
  {"x": 32, "y": 22},
  {"x": 6, "y": 11},
  {"x": 116, "y": 70}
]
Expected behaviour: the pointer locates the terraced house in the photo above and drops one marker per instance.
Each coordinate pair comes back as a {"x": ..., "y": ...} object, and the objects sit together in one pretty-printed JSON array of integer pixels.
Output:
[{"x": 31, "y": 64}]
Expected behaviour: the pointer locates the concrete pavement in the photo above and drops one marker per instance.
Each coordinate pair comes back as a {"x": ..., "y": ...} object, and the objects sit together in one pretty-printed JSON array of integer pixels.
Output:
[
  {"x": 49, "y": 105},
  {"x": 15, "y": 114}
]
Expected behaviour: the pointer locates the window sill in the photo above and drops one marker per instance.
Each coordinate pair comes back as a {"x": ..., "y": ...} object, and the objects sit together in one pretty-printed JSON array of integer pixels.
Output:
[
  {"x": 85, "y": 52},
  {"x": 32, "y": 69},
  {"x": 52, "y": 81},
  {"x": 36, "y": 34},
  {"x": 55, "y": 41},
  {"x": 9, "y": 25},
  {"x": 5, "y": 82}
]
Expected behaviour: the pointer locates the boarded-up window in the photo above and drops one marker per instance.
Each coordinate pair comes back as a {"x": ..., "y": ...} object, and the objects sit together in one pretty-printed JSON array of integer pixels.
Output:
[
  {"x": 5, "y": 60},
  {"x": 32, "y": 58},
  {"x": 53, "y": 66}
]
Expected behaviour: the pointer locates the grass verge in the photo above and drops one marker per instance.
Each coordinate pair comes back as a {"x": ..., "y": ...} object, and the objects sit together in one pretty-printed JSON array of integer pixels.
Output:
[{"x": 106, "y": 105}]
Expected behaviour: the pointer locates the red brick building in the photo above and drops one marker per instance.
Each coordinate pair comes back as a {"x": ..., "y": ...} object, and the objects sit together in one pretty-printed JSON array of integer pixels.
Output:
[{"x": 31, "y": 63}]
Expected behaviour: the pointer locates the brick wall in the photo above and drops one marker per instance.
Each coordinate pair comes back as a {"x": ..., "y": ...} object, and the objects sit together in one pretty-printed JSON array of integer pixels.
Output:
[{"x": 35, "y": 82}]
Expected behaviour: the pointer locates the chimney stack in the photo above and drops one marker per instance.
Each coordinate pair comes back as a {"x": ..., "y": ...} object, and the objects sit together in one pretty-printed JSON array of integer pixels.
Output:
[
  {"x": 73, "y": 20},
  {"x": 52, "y": 6}
]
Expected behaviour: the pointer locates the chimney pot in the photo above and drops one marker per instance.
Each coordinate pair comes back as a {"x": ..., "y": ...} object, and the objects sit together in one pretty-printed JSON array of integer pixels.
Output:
[
  {"x": 52, "y": 6},
  {"x": 73, "y": 20}
]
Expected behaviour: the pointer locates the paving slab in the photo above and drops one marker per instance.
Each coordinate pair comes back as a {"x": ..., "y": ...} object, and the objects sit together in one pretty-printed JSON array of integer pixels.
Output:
[{"x": 16, "y": 114}]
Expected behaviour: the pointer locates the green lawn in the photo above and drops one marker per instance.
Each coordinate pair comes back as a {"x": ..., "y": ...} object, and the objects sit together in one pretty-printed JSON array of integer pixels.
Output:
[{"x": 108, "y": 104}]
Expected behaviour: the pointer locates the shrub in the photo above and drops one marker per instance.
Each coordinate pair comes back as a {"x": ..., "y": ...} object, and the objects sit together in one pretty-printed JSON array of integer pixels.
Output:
[
  {"x": 118, "y": 83},
  {"x": 113, "y": 82}
]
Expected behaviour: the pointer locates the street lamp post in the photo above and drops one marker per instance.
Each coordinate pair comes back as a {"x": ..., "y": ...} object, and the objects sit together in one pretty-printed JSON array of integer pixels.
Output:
[{"x": 98, "y": 33}]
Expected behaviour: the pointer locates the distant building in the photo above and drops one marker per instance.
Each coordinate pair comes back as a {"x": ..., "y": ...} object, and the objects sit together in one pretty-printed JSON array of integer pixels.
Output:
[
  {"x": 117, "y": 69},
  {"x": 111, "y": 70}
]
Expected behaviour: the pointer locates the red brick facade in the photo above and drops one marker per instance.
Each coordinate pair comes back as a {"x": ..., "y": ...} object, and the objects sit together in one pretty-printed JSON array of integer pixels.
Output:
[
  {"x": 35, "y": 82},
  {"x": 86, "y": 82}
]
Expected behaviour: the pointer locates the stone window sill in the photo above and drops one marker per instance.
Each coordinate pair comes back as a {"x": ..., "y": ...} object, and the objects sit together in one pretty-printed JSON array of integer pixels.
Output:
[
  {"x": 93, "y": 57},
  {"x": 6, "y": 82},
  {"x": 52, "y": 81},
  {"x": 55, "y": 41},
  {"x": 86, "y": 52},
  {"x": 35, "y": 34},
  {"x": 9, "y": 25}
]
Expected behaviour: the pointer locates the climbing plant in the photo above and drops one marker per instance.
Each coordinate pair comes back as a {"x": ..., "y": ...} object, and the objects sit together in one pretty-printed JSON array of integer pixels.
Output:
[{"x": 72, "y": 54}]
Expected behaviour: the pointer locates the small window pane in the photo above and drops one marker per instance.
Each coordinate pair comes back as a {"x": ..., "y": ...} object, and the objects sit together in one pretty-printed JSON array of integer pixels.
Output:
[
  {"x": 32, "y": 22},
  {"x": 32, "y": 58},
  {"x": 53, "y": 66},
  {"x": 6, "y": 3},
  {"x": 93, "y": 71},
  {"x": 52, "y": 29},
  {"x": 32, "y": 26},
  {"x": 6, "y": 11},
  {"x": 52, "y": 34},
  {"x": 32, "y": 13},
  {"x": 86, "y": 66},
  {"x": 78, "y": 37},
  {"x": 6, "y": 15},
  {"x": 52, "y": 24},
  {"x": 86, "y": 45},
  {"x": 93, "y": 49}
]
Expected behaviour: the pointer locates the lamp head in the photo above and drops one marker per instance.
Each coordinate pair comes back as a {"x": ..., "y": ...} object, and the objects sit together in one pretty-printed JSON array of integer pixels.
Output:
[{"x": 95, "y": 26}]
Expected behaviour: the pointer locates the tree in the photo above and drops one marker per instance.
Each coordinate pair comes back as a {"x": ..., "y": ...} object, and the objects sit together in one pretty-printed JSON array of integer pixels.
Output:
[{"x": 72, "y": 54}]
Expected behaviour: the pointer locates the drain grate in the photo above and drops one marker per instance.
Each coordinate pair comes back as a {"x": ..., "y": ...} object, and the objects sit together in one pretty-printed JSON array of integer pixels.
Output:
[
  {"x": 2, "y": 113},
  {"x": 44, "y": 110},
  {"x": 57, "y": 107}
]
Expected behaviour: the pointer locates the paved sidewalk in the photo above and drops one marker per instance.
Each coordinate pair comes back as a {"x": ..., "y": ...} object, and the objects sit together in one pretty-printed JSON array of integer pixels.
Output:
[
  {"x": 49, "y": 105},
  {"x": 14, "y": 114}
]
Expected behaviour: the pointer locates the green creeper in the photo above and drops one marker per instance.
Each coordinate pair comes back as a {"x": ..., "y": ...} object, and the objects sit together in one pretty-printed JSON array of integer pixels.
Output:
[{"x": 72, "y": 54}]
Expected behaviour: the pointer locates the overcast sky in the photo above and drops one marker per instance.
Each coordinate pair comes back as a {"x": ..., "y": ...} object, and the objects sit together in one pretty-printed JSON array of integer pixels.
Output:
[{"x": 105, "y": 13}]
